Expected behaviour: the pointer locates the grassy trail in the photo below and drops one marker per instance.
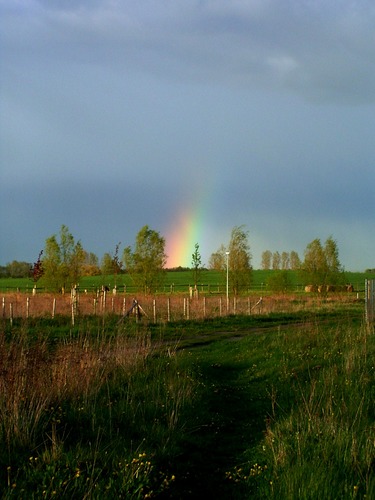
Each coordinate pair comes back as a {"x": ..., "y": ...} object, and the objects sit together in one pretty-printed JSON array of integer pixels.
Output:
[{"x": 229, "y": 420}]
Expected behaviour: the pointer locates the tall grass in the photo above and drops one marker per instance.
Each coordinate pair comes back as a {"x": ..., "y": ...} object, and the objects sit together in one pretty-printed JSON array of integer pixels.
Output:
[
  {"x": 85, "y": 417},
  {"x": 319, "y": 436},
  {"x": 270, "y": 406}
]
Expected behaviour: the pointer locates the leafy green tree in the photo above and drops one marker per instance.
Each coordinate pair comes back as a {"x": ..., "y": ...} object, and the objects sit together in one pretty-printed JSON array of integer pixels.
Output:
[
  {"x": 266, "y": 260},
  {"x": 62, "y": 260},
  {"x": 240, "y": 269},
  {"x": 17, "y": 269},
  {"x": 196, "y": 262},
  {"x": 51, "y": 264},
  {"x": 106, "y": 264},
  {"x": 321, "y": 265},
  {"x": 295, "y": 261},
  {"x": 276, "y": 259},
  {"x": 90, "y": 265},
  {"x": 146, "y": 263},
  {"x": 279, "y": 281},
  {"x": 314, "y": 266},
  {"x": 334, "y": 268},
  {"x": 285, "y": 260}
]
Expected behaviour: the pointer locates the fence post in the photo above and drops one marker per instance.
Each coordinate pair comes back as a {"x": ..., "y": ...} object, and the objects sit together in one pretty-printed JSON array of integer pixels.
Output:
[
  {"x": 54, "y": 308},
  {"x": 168, "y": 309},
  {"x": 72, "y": 314},
  {"x": 154, "y": 309},
  {"x": 370, "y": 300},
  {"x": 11, "y": 313},
  {"x": 27, "y": 307},
  {"x": 3, "y": 307},
  {"x": 220, "y": 306}
]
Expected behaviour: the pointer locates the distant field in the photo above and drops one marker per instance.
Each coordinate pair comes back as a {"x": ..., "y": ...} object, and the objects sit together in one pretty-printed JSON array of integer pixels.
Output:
[{"x": 179, "y": 281}]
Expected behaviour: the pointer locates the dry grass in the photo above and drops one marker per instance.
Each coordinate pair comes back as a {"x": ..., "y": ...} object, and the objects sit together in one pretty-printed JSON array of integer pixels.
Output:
[
  {"x": 162, "y": 308},
  {"x": 34, "y": 378}
]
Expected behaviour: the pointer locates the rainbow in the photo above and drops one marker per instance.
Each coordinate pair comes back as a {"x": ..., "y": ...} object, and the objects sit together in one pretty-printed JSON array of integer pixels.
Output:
[
  {"x": 185, "y": 231},
  {"x": 182, "y": 237}
]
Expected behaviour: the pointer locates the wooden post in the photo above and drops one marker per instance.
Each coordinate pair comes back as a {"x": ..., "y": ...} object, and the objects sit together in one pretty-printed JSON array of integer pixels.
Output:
[
  {"x": 95, "y": 303},
  {"x": 184, "y": 307},
  {"x": 187, "y": 309},
  {"x": 168, "y": 309},
  {"x": 234, "y": 305},
  {"x": 154, "y": 309},
  {"x": 27, "y": 307},
  {"x": 220, "y": 306},
  {"x": 3, "y": 307},
  {"x": 54, "y": 308},
  {"x": 72, "y": 313},
  {"x": 11, "y": 313},
  {"x": 204, "y": 307},
  {"x": 113, "y": 304},
  {"x": 124, "y": 306}
]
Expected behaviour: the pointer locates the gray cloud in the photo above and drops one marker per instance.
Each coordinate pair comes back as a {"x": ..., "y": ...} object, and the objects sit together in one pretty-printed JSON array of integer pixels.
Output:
[{"x": 264, "y": 106}]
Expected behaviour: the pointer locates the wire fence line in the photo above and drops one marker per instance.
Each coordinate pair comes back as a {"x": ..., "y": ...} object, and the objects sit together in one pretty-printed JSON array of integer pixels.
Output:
[{"x": 163, "y": 308}]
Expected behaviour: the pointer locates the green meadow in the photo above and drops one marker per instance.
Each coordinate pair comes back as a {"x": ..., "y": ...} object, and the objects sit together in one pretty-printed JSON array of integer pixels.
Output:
[
  {"x": 178, "y": 281},
  {"x": 273, "y": 406}
]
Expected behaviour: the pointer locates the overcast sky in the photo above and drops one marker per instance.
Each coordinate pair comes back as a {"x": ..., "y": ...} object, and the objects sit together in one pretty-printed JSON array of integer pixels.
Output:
[{"x": 116, "y": 114}]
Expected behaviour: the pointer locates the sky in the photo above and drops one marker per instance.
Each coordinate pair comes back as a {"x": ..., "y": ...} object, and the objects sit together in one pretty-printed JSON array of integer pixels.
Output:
[{"x": 192, "y": 117}]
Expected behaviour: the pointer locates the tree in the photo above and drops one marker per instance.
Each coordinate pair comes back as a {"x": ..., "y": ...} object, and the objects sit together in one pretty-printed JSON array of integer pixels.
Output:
[
  {"x": 266, "y": 260},
  {"x": 285, "y": 260},
  {"x": 17, "y": 269},
  {"x": 111, "y": 264},
  {"x": 279, "y": 281},
  {"x": 196, "y": 263},
  {"x": 37, "y": 271},
  {"x": 276, "y": 260},
  {"x": 146, "y": 263},
  {"x": 239, "y": 259},
  {"x": 334, "y": 269},
  {"x": 295, "y": 262},
  {"x": 217, "y": 259},
  {"x": 321, "y": 265},
  {"x": 106, "y": 264},
  {"x": 314, "y": 265},
  {"x": 63, "y": 260},
  {"x": 90, "y": 265},
  {"x": 51, "y": 264}
]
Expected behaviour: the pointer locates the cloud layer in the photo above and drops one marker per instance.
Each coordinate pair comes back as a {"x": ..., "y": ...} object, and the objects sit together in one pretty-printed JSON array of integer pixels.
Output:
[{"x": 115, "y": 113}]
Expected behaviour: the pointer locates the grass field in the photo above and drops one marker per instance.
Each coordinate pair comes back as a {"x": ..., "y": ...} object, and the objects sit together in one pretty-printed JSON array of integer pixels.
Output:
[
  {"x": 276, "y": 406},
  {"x": 179, "y": 281}
]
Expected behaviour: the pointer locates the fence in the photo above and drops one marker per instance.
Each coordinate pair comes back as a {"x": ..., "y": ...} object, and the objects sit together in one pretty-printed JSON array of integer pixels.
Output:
[
  {"x": 370, "y": 300},
  {"x": 157, "y": 309}
]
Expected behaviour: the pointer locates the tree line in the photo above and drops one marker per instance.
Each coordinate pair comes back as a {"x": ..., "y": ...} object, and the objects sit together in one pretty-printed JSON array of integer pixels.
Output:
[{"x": 64, "y": 260}]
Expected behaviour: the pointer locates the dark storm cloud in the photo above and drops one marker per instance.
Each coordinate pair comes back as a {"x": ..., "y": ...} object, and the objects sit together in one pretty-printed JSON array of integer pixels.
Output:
[{"x": 110, "y": 108}]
